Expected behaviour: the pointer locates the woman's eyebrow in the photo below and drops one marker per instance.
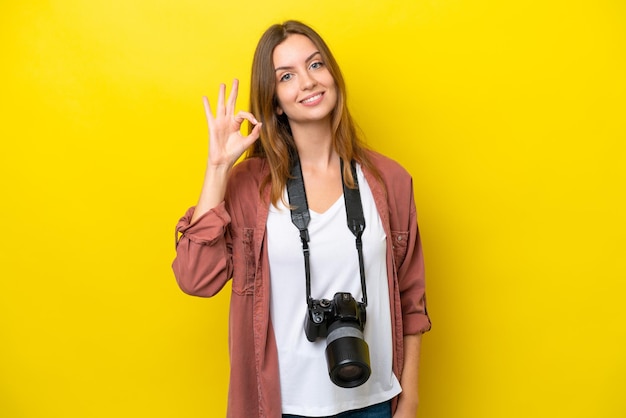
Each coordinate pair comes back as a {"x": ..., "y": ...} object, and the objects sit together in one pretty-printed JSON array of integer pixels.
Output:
[{"x": 289, "y": 67}]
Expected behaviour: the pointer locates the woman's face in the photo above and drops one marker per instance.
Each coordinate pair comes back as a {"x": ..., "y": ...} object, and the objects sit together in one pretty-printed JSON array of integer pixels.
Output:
[{"x": 305, "y": 89}]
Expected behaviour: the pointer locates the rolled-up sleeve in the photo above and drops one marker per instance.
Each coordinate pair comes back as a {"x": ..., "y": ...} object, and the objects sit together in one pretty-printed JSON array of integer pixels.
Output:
[
  {"x": 410, "y": 261},
  {"x": 203, "y": 262},
  {"x": 411, "y": 281}
]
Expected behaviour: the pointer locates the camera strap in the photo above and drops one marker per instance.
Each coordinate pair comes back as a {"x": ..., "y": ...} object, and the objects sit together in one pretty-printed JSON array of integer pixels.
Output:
[{"x": 301, "y": 217}]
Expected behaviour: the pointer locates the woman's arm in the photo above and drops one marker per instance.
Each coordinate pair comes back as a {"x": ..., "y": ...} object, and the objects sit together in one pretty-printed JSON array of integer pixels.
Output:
[
  {"x": 411, "y": 283},
  {"x": 408, "y": 400},
  {"x": 203, "y": 262}
]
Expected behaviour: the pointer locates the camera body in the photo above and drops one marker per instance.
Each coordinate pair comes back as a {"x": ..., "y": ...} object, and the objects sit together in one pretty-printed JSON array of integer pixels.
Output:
[
  {"x": 323, "y": 313},
  {"x": 341, "y": 321}
]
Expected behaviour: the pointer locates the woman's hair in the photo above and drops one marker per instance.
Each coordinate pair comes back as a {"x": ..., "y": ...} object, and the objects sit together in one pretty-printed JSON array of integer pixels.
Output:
[{"x": 276, "y": 142}]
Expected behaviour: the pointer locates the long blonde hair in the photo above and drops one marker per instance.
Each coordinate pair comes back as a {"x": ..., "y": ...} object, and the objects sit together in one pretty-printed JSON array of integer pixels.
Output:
[{"x": 276, "y": 142}]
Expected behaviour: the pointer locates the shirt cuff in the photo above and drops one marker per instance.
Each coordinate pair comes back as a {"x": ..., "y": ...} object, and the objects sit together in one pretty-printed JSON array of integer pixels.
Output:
[{"x": 207, "y": 229}]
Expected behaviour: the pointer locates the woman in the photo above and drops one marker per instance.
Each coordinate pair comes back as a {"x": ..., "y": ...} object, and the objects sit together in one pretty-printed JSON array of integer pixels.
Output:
[{"x": 242, "y": 229}]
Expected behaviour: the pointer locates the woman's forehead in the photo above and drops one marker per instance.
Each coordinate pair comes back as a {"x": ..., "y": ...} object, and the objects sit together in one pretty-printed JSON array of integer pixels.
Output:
[{"x": 294, "y": 50}]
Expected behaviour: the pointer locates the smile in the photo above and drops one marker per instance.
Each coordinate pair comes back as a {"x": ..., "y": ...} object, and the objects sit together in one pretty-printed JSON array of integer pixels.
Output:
[{"x": 312, "y": 99}]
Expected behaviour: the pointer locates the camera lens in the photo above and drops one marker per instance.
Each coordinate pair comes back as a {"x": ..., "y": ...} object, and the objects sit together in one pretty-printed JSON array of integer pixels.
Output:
[
  {"x": 350, "y": 372},
  {"x": 347, "y": 355}
]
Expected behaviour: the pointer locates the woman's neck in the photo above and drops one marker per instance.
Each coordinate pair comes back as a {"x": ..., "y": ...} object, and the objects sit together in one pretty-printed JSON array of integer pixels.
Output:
[
  {"x": 321, "y": 170},
  {"x": 315, "y": 145}
]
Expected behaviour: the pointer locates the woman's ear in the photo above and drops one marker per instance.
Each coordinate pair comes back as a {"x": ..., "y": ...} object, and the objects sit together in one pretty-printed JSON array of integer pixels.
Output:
[{"x": 279, "y": 111}]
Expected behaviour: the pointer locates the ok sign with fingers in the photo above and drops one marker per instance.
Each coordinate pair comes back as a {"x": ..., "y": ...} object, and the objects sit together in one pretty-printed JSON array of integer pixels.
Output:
[
  {"x": 226, "y": 145},
  {"x": 226, "y": 142}
]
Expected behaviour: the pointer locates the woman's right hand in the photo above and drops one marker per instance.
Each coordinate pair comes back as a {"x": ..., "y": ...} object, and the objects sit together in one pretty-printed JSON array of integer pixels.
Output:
[{"x": 226, "y": 143}]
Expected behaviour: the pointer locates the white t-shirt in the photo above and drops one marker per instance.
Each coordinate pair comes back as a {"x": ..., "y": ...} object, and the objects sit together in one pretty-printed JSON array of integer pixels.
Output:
[{"x": 306, "y": 388}]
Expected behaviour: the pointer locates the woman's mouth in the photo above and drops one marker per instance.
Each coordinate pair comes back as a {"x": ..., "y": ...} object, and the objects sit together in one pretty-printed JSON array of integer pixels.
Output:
[{"x": 316, "y": 98}]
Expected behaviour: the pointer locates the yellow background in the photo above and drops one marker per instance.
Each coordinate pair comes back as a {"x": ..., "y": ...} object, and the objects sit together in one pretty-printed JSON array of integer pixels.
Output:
[{"x": 510, "y": 116}]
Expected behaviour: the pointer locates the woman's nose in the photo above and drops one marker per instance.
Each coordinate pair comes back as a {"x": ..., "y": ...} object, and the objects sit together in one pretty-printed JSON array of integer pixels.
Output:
[{"x": 307, "y": 81}]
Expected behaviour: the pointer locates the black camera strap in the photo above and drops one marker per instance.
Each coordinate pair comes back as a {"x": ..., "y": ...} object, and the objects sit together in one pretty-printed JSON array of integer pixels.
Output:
[{"x": 301, "y": 217}]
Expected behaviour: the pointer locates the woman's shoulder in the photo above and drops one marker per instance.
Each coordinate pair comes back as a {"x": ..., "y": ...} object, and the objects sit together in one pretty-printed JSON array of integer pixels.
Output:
[
  {"x": 246, "y": 177},
  {"x": 389, "y": 169},
  {"x": 254, "y": 168},
  {"x": 244, "y": 182}
]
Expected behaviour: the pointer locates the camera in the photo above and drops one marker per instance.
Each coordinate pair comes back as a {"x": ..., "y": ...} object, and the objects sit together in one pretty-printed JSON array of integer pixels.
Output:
[{"x": 341, "y": 320}]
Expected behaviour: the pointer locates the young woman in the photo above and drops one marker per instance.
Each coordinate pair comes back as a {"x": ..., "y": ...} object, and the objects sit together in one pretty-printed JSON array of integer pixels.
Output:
[{"x": 242, "y": 228}]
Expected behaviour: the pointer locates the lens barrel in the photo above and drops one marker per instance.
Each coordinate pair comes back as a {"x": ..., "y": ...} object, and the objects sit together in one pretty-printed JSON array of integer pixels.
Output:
[{"x": 347, "y": 355}]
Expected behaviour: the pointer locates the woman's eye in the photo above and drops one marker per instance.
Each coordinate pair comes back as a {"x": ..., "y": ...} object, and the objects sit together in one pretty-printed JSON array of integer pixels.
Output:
[
  {"x": 285, "y": 77},
  {"x": 317, "y": 64}
]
